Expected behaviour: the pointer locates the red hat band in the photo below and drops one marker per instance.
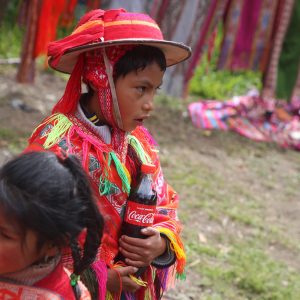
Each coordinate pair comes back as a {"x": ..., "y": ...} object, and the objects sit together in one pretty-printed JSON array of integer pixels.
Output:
[{"x": 118, "y": 24}]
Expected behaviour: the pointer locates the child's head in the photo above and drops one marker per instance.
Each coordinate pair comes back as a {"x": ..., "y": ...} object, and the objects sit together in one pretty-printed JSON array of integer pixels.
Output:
[
  {"x": 45, "y": 202},
  {"x": 136, "y": 76},
  {"x": 94, "y": 52}
]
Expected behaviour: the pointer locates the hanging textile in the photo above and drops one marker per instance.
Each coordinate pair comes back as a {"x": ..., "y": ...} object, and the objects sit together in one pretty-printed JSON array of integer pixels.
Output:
[
  {"x": 50, "y": 15},
  {"x": 283, "y": 17},
  {"x": 67, "y": 17},
  {"x": 130, "y": 5},
  {"x": 295, "y": 98},
  {"x": 93, "y": 4},
  {"x": 183, "y": 21},
  {"x": 247, "y": 34}
]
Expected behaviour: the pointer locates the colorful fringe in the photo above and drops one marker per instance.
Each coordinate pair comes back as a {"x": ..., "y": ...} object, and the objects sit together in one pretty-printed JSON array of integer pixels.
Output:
[
  {"x": 177, "y": 247},
  {"x": 136, "y": 145},
  {"x": 122, "y": 171},
  {"x": 61, "y": 125},
  {"x": 100, "y": 270}
]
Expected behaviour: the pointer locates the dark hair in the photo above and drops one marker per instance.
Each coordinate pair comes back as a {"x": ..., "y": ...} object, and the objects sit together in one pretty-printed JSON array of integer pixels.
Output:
[
  {"x": 52, "y": 197},
  {"x": 138, "y": 58}
]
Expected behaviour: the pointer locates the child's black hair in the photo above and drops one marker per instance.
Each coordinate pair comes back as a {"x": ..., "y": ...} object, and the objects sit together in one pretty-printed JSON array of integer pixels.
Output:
[
  {"x": 138, "y": 58},
  {"x": 53, "y": 197}
]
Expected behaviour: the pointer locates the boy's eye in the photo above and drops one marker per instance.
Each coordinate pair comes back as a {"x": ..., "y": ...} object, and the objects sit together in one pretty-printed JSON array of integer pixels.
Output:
[{"x": 141, "y": 89}]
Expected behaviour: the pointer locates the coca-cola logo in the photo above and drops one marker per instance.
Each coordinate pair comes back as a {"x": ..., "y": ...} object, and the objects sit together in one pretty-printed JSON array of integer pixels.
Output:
[
  {"x": 134, "y": 216},
  {"x": 139, "y": 214}
]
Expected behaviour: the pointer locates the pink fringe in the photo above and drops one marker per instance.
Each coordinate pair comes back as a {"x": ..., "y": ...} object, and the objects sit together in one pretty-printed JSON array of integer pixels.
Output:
[{"x": 100, "y": 270}]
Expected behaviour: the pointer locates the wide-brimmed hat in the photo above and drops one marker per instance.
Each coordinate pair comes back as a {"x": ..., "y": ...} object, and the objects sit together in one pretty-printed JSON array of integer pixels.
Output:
[{"x": 99, "y": 29}]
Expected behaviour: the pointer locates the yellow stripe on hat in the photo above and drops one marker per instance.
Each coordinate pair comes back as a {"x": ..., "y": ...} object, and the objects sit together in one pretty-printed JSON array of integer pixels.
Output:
[
  {"x": 128, "y": 22},
  {"x": 90, "y": 24}
]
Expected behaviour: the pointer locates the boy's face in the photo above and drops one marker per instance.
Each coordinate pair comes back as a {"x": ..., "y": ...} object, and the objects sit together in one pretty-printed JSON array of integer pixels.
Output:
[
  {"x": 135, "y": 93},
  {"x": 17, "y": 251}
]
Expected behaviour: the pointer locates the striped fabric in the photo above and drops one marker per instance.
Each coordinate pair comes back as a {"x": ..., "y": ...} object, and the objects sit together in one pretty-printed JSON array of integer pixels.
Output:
[
  {"x": 284, "y": 14},
  {"x": 248, "y": 115}
]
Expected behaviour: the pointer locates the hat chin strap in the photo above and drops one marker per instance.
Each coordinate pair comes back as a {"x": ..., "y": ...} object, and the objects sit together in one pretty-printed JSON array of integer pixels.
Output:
[{"x": 108, "y": 68}]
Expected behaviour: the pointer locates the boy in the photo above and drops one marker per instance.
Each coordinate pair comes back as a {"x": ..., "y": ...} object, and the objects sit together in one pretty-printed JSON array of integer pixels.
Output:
[{"x": 121, "y": 57}]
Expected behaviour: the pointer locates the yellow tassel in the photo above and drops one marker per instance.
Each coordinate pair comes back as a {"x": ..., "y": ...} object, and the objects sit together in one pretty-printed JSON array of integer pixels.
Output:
[
  {"x": 61, "y": 126},
  {"x": 109, "y": 296},
  {"x": 148, "y": 295},
  {"x": 138, "y": 281},
  {"x": 47, "y": 120},
  {"x": 132, "y": 277},
  {"x": 176, "y": 246}
]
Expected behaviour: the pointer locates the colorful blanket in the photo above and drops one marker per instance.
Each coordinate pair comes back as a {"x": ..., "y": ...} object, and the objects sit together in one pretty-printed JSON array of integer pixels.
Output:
[{"x": 252, "y": 117}]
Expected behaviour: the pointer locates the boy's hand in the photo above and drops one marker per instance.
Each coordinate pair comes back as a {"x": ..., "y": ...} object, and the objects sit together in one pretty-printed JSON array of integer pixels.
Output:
[
  {"x": 113, "y": 280},
  {"x": 141, "y": 252}
]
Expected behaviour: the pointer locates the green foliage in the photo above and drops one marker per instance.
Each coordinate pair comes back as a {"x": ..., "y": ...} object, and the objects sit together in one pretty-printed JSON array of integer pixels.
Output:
[
  {"x": 12, "y": 10},
  {"x": 11, "y": 33},
  {"x": 10, "y": 41},
  {"x": 210, "y": 83},
  {"x": 222, "y": 85}
]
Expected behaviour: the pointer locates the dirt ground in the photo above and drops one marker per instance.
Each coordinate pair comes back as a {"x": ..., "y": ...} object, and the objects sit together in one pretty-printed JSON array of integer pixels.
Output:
[{"x": 232, "y": 158}]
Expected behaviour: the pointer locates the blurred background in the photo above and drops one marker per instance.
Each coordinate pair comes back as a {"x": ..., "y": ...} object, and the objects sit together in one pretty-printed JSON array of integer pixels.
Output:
[{"x": 227, "y": 122}]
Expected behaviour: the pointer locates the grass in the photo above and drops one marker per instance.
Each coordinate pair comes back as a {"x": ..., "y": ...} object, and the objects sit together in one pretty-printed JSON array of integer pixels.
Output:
[
  {"x": 227, "y": 185},
  {"x": 246, "y": 272},
  {"x": 13, "y": 140}
]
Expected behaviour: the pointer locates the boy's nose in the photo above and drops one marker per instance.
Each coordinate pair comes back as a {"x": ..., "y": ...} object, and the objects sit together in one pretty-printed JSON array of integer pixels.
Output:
[{"x": 148, "y": 104}]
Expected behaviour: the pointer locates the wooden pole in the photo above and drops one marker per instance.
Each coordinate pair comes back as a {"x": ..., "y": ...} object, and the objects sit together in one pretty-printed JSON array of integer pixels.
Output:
[{"x": 26, "y": 69}]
